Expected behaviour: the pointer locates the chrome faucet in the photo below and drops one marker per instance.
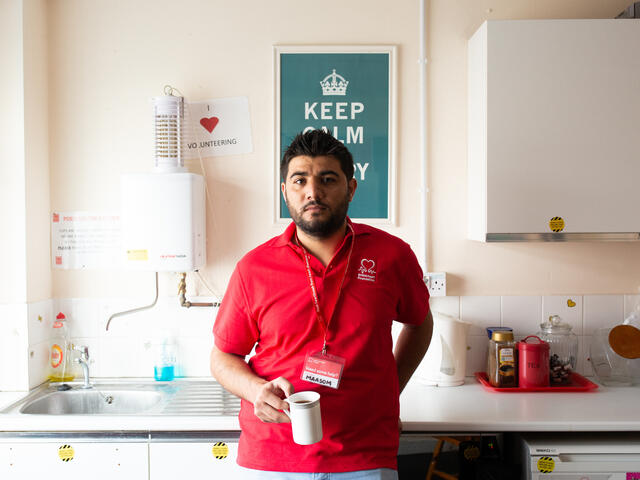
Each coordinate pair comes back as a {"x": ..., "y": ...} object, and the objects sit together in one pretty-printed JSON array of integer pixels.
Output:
[{"x": 83, "y": 360}]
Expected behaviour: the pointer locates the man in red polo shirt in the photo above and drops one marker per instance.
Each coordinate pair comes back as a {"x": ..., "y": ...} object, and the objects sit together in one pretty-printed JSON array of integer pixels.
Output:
[{"x": 329, "y": 289}]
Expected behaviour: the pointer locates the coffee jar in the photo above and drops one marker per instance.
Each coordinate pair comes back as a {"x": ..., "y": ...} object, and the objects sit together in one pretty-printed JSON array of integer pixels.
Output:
[
  {"x": 563, "y": 349},
  {"x": 501, "y": 360}
]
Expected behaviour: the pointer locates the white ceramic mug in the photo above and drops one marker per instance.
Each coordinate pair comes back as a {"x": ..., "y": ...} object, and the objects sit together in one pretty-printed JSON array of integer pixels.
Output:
[{"x": 304, "y": 412}]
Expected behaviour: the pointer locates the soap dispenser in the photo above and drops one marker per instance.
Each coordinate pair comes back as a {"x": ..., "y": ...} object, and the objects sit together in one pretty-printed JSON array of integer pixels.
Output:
[
  {"x": 60, "y": 363},
  {"x": 165, "y": 360}
]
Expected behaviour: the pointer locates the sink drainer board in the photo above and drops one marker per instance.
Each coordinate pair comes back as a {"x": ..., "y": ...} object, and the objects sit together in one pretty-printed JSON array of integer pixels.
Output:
[{"x": 203, "y": 398}]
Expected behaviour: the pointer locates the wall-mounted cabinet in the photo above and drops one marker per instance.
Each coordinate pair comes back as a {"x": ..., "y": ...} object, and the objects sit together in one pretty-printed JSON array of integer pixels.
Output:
[{"x": 553, "y": 143}]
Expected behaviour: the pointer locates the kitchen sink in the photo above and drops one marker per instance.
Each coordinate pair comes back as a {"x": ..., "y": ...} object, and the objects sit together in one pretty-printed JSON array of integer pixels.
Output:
[
  {"x": 92, "y": 402},
  {"x": 129, "y": 397},
  {"x": 101, "y": 399}
]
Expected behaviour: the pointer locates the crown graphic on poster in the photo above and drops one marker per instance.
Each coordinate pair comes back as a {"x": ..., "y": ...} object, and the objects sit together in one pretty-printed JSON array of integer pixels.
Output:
[{"x": 334, "y": 84}]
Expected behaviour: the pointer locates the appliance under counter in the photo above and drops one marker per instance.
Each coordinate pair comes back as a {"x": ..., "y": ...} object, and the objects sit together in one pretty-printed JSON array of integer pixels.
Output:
[{"x": 580, "y": 456}]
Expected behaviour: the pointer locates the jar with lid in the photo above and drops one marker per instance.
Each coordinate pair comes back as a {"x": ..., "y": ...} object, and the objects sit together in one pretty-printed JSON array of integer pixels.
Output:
[
  {"x": 563, "y": 349},
  {"x": 501, "y": 360}
]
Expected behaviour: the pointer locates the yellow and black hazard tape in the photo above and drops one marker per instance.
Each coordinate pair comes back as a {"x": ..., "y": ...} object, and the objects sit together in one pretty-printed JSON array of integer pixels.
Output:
[
  {"x": 546, "y": 464},
  {"x": 66, "y": 453},
  {"x": 220, "y": 450}
]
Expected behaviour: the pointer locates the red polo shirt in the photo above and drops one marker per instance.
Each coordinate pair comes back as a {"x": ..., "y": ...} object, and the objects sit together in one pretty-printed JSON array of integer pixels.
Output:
[{"x": 268, "y": 302}]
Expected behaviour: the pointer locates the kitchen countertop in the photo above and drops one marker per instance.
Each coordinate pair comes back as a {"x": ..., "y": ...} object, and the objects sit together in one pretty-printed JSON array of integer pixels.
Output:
[
  {"x": 467, "y": 408},
  {"x": 471, "y": 408}
]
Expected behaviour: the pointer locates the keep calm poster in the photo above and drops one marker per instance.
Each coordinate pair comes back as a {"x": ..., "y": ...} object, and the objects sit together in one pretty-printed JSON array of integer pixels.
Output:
[{"x": 347, "y": 94}]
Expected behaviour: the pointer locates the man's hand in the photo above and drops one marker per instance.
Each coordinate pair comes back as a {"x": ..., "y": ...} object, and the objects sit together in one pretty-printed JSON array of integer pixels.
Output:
[
  {"x": 269, "y": 401},
  {"x": 234, "y": 374}
]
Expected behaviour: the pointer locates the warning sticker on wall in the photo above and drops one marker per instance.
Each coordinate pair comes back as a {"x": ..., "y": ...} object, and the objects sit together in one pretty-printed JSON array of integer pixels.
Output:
[
  {"x": 66, "y": 453},
  {"x": 546, "y": 464},
  {"x": 220, "y": 450}
]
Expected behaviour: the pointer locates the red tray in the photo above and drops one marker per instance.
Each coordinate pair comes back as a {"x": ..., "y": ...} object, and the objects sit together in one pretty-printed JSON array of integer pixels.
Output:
[{"x": 577, "y": 383}]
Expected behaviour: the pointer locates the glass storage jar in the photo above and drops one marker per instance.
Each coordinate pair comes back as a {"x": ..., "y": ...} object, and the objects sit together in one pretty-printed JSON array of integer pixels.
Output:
[
  {"x": 609, "y": 364},
  {"x": 563, "y": 349}
]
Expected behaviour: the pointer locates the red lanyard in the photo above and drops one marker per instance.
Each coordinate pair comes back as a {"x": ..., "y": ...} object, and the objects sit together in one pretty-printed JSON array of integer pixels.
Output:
[{"x": 314, "y": 291}]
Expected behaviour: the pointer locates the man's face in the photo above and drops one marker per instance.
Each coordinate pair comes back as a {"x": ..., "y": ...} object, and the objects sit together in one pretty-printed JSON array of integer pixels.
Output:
[{"x": 317, "y": 194}]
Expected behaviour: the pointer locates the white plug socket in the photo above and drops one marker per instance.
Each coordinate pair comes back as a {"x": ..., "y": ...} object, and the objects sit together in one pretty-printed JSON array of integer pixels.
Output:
[{"x": 436, "y": 283}]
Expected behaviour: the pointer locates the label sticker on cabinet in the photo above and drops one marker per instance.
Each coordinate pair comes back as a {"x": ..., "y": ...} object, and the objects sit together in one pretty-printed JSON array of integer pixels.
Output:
[
  {"x": 66, "y": 453},
  {"x": 220, "y": 450},
  {"x": 546, "y": 464},
  {"x": 556, "y": 224}
]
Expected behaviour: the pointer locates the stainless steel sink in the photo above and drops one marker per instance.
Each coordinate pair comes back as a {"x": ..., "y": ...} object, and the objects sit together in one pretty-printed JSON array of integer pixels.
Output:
[
  {"x": 92, "y": 402},
  {"x": 130, "y": 397},
  {"x": 103, "y": 399}
]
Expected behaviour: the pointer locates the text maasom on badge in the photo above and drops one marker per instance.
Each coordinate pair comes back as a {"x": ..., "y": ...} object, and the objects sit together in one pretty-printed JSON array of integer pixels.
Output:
[{"x": 318, "y": 380}]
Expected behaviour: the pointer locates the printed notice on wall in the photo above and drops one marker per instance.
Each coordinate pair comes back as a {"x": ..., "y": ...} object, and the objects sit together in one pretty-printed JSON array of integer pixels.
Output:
[
  {"x": 82, "y": 240},
  {"x": 218, "y": 127}
]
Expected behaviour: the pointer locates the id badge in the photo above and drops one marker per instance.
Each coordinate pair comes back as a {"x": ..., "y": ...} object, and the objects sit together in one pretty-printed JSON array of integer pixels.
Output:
[{"x": 323, "y": 369}]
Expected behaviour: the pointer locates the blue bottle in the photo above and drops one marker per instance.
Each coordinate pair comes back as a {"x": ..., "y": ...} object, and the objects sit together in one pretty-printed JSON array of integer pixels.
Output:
[{"x": 164, "y": 369}]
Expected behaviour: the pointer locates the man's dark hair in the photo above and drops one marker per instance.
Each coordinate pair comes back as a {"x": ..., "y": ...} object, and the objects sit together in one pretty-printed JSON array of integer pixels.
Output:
[{"x": 317, "y": 143}]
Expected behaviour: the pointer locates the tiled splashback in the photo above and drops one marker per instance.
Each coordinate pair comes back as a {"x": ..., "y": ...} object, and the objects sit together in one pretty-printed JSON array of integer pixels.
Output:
[
  {"x": 525, "y": 313},
  {"x": 127, "y": 349}
]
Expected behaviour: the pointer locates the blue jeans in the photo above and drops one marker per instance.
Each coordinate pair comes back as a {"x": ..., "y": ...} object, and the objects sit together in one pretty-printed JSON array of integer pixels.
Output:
[{"x": 376, "y": 474}]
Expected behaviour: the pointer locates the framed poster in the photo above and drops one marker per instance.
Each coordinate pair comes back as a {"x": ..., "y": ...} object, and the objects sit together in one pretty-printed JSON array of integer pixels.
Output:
[{"x": 348, "y": 92}]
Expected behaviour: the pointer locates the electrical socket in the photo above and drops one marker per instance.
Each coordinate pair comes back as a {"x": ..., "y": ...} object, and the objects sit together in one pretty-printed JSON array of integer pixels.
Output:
[{"x": 436, "y": 282}]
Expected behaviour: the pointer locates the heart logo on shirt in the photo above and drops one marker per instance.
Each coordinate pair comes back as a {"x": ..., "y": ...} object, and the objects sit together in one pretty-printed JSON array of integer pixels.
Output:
[
  {"x": 368, "y": 265},
  {"x": 367, "y": 270},
  {"x": 209, "y": 123}
]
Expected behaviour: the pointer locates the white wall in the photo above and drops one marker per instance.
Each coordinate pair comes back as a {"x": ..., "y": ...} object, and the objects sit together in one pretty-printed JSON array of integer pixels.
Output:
[
  {"x": 108, "y": 58},
  {"x": 24, "y": 169},
  {"x": 36, "y": 151},
  {"x": 12, "y": 168}
]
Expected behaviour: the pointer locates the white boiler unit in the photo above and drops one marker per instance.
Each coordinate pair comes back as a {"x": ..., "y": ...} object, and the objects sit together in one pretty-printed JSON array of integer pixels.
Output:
[
  {"x": 163, "y": 221},
  {"x": 163, "y": 213}
]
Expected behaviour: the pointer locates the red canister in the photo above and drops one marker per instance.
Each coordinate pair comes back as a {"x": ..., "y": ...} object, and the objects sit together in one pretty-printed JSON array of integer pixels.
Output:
[{"x": 533, "y": 363}]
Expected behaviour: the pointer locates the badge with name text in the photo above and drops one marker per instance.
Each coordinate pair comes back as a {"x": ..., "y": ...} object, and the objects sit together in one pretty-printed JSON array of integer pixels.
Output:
[{"x": 323, "y": 369}]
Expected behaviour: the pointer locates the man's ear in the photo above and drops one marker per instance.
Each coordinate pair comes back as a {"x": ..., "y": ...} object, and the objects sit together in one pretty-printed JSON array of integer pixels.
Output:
[
  {"x": 283, "y": 189},
  {"x": 352, "y": 185}
]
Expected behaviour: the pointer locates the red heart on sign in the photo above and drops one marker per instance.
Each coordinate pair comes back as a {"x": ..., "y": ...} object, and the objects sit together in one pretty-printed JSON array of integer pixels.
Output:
[{"x": 209, "y": 123}]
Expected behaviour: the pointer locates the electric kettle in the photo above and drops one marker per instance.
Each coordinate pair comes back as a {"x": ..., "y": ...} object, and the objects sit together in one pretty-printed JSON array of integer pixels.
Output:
[{"x": 445, "y": 362}]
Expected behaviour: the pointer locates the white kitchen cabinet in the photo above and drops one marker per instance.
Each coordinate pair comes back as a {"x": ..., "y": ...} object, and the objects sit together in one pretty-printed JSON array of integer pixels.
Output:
[
  {"x": 553, "y": 116},
  {"x": 210, "y": 455},
  {"x": 72, "y": 459}
]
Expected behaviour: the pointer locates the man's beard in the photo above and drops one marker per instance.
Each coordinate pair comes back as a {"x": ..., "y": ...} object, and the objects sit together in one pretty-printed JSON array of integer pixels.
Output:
[{"x": 317, "y": 227}]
